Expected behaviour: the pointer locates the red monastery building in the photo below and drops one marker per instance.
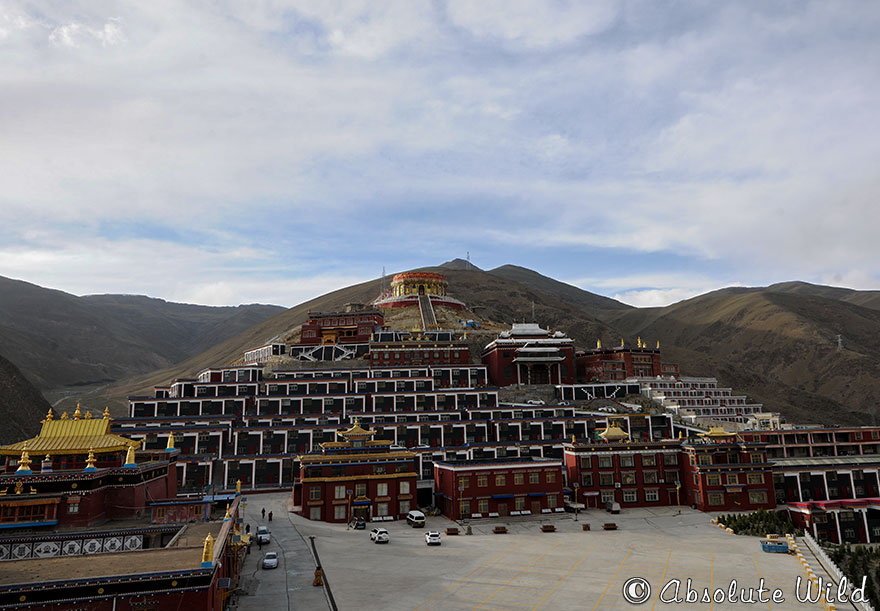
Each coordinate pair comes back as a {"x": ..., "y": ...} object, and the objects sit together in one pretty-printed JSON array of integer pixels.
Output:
[
  {"x": 622, "y": 362},
  {"x": 528, "y": 354},
  {"x": 498, "y": 487},
  {"x": 87, "y": 475},
  {"x": 359, "y": 477}
]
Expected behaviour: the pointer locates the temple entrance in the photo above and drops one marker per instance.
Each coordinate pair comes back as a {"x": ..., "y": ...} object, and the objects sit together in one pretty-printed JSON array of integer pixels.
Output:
[
  {"x": 362, "y": 511},
  {"x": 421, "y": 289}
]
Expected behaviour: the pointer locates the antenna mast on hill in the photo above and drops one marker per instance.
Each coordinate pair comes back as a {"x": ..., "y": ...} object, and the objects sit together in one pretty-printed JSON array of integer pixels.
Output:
[
  {"x": 468, "y": 256},
  {"x": 839, "y": 343}
]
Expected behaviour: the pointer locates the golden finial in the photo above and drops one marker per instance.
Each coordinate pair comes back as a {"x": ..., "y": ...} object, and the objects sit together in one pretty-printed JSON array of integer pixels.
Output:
[
  {"x": 33, "y": 490},
  {"x": 658, "y": 344},
  {"x": 64, "y": 415},
  {"x": 679, "y": 435},
  {"x": 47, "y": 459},
  {"x": 598, "y": 344},
  {"x": 208, "y": 552},
  {"x": 88, "y": 415},
  {"x": 107, "y": 413},
  {"x": 24, "y": 463},
  {"x": 18, "y": 487},
  {"x": 227, "y": 516},
  {"x": 77, "y": 414},
  {"x": 90, "y": 461},
  {"x": 238, "y": 486},
  {"x": 572, "y": 439},
  {"x": 129, "y": 457},
  {"x": 639, "y": 342},
  {"x": 49, "y": 415},
  {"x": 170, "y": 444},
  {"x": 621, "y": 342}
]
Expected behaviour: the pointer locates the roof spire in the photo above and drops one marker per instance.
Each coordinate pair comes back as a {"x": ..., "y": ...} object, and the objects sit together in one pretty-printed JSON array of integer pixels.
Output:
[
  {"x": 88, "y": 415},
  {"x": 49, "y": 414},
  {"x": 64, "y": 415},
  {"x": 621, "y": 342},
  {"x": 598, "y": 344},
  {"x": 77, "y": 414},
  {"x": 90, "y": 461},
  {"x": 107, "y": 414},
  {"x": 170, "y": 445},
  {"x": 227, "y": 517},
  {"x": 24, "y": 463},
  {"x": 658, "y": 344}
]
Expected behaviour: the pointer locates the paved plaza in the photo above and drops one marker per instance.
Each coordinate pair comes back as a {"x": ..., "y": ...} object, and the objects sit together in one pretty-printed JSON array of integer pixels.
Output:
[{"x": 525, "y": 569}]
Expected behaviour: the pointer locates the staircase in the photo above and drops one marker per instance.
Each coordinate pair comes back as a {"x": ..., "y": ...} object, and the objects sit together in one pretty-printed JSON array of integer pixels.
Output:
[{"x": 426, "y": 310}]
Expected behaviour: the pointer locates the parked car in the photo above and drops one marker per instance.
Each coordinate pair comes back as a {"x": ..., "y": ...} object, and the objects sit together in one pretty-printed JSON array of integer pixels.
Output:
[
  {"x": 535, "y": 402},
  {"x": 270, "y": 560},
  {"x": 612, "y": 507},
  {"x": 432, "y": 538},
  {"x": 415, "y": 518},
  {"x": 379, "y": 535},
  {"x": 263, "y": 535},
  {"x": 358, "y": 524}
]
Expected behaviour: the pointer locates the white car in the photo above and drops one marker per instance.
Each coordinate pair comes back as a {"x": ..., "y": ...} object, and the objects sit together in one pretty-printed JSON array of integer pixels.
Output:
[
  {"x": 263, "y": 535},
  {"x": 379, "y": 535},
  {"x": 432, "y": 538},
  {"x": 535, "y": 402},
  {"x": 270, "y": 560}
]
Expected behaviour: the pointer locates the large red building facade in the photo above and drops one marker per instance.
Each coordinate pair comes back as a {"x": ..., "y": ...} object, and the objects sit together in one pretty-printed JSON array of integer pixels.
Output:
[
  {"x": 498, "y": 487},
  {"x": 528, "y": 354},
  {"x": 622, "y": 362},
  {"x": 359, "y": 477}
]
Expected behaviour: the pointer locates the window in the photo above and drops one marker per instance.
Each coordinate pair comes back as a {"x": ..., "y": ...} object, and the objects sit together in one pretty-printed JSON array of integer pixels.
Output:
[
  {"x": 607, "y": 496},
  {"x": 517, "y": 479},
  {"x": 732, "y": 478},
  {"x": 534, "y": 478},
  {"x": 74, "y": 508},
  {"x": 649, "y": 460},
  {"x": 315, "y": 513},
  {"x": 381, "y": 509},
  {"x": 705, "y": 459},
  {"x": 382, "y": 490},
  {"x": 339, "y": 492},
  {"x": 379, "y": 469},
  {"x": 550, "y": 476},
  {"x": 716, "y": 498},
  {"x": 696, "y": 479},
  {"x": 465, "y": 507},
  {"x": 464, "y": 482},
  {"x": 756, "y": 478},
  {"x": 671, "y": 459},
  {"x": 605, "y": 462},
  {"x": 404, "y": 487},
  {"x": 671, "y": 476},
  {"x": 587, "y": 480},
  {"x": 757, "y": 498},
  {"x": 500, "y": 480},
  {"x": 520, "y": 503},
  {"x": 483, "y": 505},
  {"x": 339, "y": 512},
  {"x": 551, "y": 501},
  {"x": 629, "y": 496},
  {"x": 652, "y": 495},
  {"x": 404, "y": 506},
  {"x": 482, "y": 481},
  {"x": 586, "y": 462},
  {"x": 757, "y": 457},
  {"x": 649, "y": 477},
  {"x": 626, "y": 460},
  {"x": 360, "y": 490},
  {"x": 713, "y": 479},
  {"x": 606, "y": 479},
  {"x": 315, "y": 493},
  {"x": 849, "y": 533},
  {"x": 628, "y": 477}
]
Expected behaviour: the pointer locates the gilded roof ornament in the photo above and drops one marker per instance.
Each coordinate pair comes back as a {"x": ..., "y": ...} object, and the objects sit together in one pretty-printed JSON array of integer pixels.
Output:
[
  {"x": 107, "y": 413},
  {"x": 129, "y": 457},
  {"x": 64, "y": 416},
  {"x": 227, "y": 517},
  {"x": 49, "y": 415},
  {"x": 598, "y": 343},
  {"x": 658, "y": 344},
  {"x": 24, "y": 463},
  {"x": 621, "y": 342},
  {"x": 88, "y": 415},
  {"x": 208, "y": 552},
  {"x": 613, "y": 432},
  {"x": 90, "y": 461},
  {"x": 170, "y": 444},
  {"x": 76, "y": 414}
]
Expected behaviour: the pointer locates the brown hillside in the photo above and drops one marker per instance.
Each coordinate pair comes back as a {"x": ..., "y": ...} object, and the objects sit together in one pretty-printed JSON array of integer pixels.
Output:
[{"x": 22, "y": 405}]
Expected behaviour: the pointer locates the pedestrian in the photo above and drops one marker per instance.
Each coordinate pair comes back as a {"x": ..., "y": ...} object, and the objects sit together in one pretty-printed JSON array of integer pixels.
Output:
[
  {"x": 270, "y": 516},
  {"x": 247, "y": 529},
  {"x": 264, "y": 513},
  {"x": 259, "y": 543}
]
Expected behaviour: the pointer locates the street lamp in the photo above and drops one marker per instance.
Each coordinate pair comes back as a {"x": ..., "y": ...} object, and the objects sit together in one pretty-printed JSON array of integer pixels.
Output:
[
  {"x": 460, "y": 494},
  {"x": 575, "y": 486}
]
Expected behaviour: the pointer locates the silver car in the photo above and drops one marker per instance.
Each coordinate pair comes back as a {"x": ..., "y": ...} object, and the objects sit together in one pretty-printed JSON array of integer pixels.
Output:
[
  {"x": 432, "y": 538},
  {"x": 270, "y": 560}
]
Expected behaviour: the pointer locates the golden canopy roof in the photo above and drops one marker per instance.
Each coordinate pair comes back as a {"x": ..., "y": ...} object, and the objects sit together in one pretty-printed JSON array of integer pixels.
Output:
[
  {"x": 66, "y": 436},
  {"x": 613, "y": 432},
  {"x": 717, "y": 431}
]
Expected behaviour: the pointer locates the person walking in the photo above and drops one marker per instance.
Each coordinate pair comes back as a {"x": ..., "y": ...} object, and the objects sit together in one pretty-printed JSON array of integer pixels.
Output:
[
  {"x": 270, "y": 516},
  {"x": 264, "y": 513}
]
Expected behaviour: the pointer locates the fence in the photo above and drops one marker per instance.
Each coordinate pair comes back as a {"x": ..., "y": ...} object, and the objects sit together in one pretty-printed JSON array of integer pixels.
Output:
[{"x": 833, "y": 570}]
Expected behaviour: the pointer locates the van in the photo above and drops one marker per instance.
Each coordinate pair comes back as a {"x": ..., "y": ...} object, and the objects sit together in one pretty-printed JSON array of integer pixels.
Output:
[{"x": 416, "y": 519}]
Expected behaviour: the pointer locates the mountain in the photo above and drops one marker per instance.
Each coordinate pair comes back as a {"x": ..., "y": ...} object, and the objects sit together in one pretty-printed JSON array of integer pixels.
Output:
[
  {"x": 59, "y": 340},
  {"x": 780, "y": 347},
  {"x": 867, "y": 299},
  {"x": 22, "y": 405}
]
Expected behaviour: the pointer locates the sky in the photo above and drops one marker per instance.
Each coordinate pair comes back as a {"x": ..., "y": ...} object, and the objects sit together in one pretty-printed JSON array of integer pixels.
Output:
[{"x": 268, "y": 152}]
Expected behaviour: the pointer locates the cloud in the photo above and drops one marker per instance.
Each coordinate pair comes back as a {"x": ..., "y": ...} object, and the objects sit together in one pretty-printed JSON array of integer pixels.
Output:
[{"x": 337, "y": 137}]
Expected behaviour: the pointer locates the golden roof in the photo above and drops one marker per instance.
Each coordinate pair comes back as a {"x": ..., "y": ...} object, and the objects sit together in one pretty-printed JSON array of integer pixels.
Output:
[
  {"x": 614, "y": 433},
  {"x": 68, "y": 436},
  {"x": 717, "y": 431},
  {"x": 357, "y": 431}
]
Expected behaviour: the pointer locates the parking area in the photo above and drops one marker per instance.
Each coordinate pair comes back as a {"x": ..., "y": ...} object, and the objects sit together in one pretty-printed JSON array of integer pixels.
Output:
[{"x": 567, "y": 569}]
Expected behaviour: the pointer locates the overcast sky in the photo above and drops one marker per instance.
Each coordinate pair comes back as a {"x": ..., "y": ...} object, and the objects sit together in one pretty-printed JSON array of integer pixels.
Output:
[{"x": 224, "y": 153}]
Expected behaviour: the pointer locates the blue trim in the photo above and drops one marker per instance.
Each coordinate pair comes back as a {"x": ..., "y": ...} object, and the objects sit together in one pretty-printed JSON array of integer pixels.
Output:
[
  {"x": 362, "y": 503},
  {"x": 27, "y": 472},
  {"x": 537, "y": 494},
  {"x": 502, "y": 496},
  {"x": 29, "y": 524}
]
